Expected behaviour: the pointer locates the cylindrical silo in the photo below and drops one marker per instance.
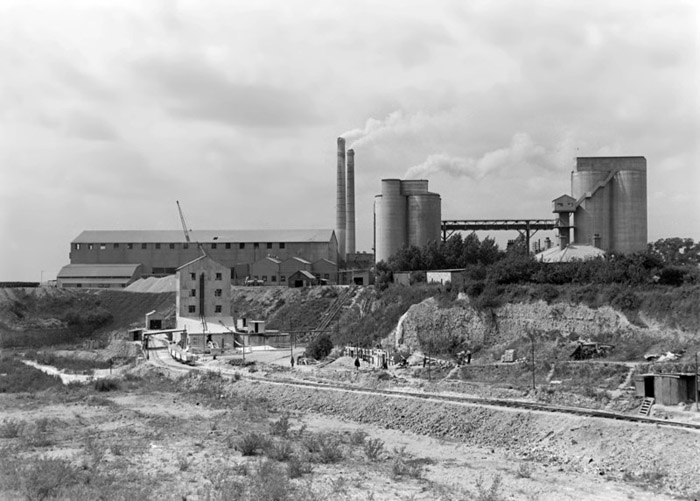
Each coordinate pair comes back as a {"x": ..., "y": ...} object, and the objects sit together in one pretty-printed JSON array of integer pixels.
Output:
[
  {"x": 340, "y": 199},
  {"x": 350, "y": 204},
  {"x": 390, "y": 216},
  {"x": 414, "y": 186},
  {"x": 423, "y": 219},
  {"x": 629, "y": 224},
  {"x": 593, "y": 215}
]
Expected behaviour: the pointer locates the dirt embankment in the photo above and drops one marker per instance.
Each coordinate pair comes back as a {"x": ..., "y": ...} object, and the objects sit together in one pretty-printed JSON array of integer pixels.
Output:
[{"x": 620, "y": 451}]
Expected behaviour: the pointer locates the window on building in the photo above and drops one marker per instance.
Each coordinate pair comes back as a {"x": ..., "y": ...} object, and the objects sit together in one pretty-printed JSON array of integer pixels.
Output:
[
  {"x": 281, "y": 245},
  {"x": 185, "y": 245},
  {"x": 213, "y": 246},
  {"x": 116, "y": 246},
  {"x": 76, "y": 246},
  {"x": 103, "y": 246},
  {"x": 193, "y": 276},
  {"x": 217, "y": 292},
  {"x": 326, "y": 276},
  {"x": 172, "y": 246},
  {"x": 157, "y": 246},
  {"x": 91, "y": 246},
  {"x": 217, "y": 308},
  {"x": 228, "y": 245},
  {"x": 129, "y": 246},
  {"x": 219, "y": 276},
  {"x": 255, "y": 277},
  {"x": 191, "y": 309},
  {"x": 269, "y": 245},
  {"x": 193, "y": 292},
  {"x": 241, "y": 246},
  {"x": 283, "y": 278},
  {"x": 273, "y": 278},
  {"x": 144, "y": 246},
  {"x": 264, "y": 278},
  {"x": 256, "y": 245}
]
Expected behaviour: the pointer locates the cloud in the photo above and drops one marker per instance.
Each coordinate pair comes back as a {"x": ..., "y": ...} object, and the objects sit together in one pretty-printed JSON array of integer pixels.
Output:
[
  {"x": 89, "y": 127},
  {"x": 191, "y": 88}
]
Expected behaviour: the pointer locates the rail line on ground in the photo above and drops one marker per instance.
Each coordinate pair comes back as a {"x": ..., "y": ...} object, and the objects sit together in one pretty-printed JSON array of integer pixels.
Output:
[{"x": 436, "y": 397}]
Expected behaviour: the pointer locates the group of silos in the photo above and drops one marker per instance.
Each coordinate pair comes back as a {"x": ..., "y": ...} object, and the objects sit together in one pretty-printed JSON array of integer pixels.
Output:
[
  {"x": 405, "y": 213},
  {"x": 611, "y": 203}
]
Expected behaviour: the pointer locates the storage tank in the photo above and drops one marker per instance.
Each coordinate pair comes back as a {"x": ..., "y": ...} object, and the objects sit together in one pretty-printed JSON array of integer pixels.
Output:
[
  {"x": 390, "y": 216},
  {"x": 423, "y": 218},
  {"x": 593, "y": 215},
  {"x": 629, "y": 223}
]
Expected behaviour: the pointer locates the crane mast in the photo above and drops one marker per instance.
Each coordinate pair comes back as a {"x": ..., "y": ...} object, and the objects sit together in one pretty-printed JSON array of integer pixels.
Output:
[{"x": 184, "y": 224}]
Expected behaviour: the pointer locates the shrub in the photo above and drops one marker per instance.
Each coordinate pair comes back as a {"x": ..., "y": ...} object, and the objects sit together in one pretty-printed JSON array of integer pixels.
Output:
[
  {"x": 492, "y": 493},
  {"x": 320, "y": 347},
  {"x": 524, "y": 470},
  {"x": 331, "y": 450},
  {"x": 357, "y": 437},
  {"x": 373, "y": 449},
  {"x": 44, "y": 478},
  {"x": 279, "y": 451},
  {"x": 250, "y": 443},
  {"x": 184, "y": 463},
  {"x": 402, "y": 466},
  {"x": 280, "y": 428},
  {"x": 107, "y": 385},
  {"x": 11, "y": 428}
]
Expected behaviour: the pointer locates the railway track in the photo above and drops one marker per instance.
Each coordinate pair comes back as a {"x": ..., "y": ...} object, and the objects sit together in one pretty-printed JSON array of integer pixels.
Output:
[{"x": 160, "y": 360}]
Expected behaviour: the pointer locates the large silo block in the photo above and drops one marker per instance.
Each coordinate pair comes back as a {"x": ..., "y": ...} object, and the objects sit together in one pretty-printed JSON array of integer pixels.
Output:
[
  {"x": 593, "y": 215},
  {"x": 390, "y": 220},
  {"x": 629, "y": 222},
  {"x": 424, "y": 219}
]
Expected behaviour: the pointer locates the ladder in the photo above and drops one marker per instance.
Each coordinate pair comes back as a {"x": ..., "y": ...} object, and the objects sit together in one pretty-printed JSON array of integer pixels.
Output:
[{"x": 645, "y": 409}]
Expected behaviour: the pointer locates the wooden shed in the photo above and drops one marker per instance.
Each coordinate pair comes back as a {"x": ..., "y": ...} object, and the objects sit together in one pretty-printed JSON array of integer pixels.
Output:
[{"x": 667, "y": 389}]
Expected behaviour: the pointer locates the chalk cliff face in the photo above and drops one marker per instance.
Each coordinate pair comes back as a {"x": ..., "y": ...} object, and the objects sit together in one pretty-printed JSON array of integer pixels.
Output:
[{"x": 507, "y": 322}]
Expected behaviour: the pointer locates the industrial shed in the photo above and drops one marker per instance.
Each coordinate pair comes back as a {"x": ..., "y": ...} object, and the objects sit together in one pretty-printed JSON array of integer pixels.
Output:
[
  {"x": 326, "y": 270},
  {"x": 267, "y": 270},
  {"x": 291, "y": 266},
  {"x": 667, "y": 389},
  {"x": 98, "y": 276}
]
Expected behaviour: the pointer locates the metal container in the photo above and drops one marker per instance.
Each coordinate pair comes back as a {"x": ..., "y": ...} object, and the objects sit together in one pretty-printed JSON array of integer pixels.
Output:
[{"x": 423, "y": 219}]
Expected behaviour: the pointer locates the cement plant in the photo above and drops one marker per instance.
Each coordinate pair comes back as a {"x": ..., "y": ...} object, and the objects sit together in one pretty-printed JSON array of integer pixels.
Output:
[{"x": 287, "y": 364}]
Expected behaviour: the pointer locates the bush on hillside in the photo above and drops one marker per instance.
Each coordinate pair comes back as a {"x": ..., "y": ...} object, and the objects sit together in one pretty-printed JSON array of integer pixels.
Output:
[{"x": 320, "y": 347}]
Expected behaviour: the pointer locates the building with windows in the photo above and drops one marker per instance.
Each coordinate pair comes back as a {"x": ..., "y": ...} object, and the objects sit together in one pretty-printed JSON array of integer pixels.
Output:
[
  {"x": 104, "y": 276},
  {"x": 161, "y": 253}
]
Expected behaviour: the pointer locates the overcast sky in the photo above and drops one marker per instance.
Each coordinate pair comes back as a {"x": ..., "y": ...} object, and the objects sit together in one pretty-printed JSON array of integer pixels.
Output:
[{"x": 110, "y": 111}]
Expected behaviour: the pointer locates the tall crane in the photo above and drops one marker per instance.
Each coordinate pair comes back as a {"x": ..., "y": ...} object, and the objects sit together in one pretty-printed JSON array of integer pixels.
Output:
[{"x": 184, "y": 224}]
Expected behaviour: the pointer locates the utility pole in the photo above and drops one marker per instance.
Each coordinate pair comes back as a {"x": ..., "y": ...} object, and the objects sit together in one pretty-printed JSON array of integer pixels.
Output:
[
  {"x": 696, "y": 381},
  {"x": 531, "y": 333}
]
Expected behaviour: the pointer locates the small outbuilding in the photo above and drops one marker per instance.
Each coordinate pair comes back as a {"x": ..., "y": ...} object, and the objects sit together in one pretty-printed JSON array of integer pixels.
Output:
[
  {"x": 302, "y": 278},
  {"x": 667, "y": 389}
]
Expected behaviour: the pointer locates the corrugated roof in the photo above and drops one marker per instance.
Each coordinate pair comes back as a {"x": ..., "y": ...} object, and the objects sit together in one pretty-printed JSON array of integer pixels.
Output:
[
  {"x": 297, "y": 258},
  {"x": 97, "y": 270},
  {"x": 571, "y": 252},
  {"x": 208, "y": 236}
]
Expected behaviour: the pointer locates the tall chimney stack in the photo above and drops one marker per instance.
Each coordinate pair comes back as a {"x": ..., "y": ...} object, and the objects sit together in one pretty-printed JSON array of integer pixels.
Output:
[
  {"x": 340, "y": 220},
  {"x": 350, "y": 205}
]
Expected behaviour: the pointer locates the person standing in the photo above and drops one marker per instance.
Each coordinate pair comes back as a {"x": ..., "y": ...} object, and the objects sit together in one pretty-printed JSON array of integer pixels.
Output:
[
  {"x": 469, "y": 357},
  {"x": 357, "y": 363}
]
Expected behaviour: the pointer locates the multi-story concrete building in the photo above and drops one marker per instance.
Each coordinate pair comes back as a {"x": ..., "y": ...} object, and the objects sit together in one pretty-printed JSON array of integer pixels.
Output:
[{"x": 163, "y": 252}]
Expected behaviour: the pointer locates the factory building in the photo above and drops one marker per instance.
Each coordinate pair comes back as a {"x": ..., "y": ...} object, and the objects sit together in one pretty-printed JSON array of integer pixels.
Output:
[
  {"x": 405, "y": 214},
  {"x": 161, "y": 253}
]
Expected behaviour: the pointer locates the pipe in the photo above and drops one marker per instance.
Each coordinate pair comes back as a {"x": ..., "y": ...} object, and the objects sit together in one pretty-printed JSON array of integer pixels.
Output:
[{"x": 350, "y": 204}]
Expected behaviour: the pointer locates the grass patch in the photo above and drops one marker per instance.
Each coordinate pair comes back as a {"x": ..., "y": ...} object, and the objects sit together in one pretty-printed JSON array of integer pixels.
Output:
[{"x": 23, "y": 378}]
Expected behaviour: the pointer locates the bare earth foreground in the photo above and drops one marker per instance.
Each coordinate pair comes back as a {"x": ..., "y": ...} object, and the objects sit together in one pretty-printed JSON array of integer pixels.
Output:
[{"x": 204, "y": 436}]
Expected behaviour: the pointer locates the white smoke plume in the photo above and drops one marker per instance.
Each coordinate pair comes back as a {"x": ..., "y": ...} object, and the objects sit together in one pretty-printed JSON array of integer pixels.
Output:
[
  {"x": 396, "y": 124},
  {"x": 521, "y": 152}
]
